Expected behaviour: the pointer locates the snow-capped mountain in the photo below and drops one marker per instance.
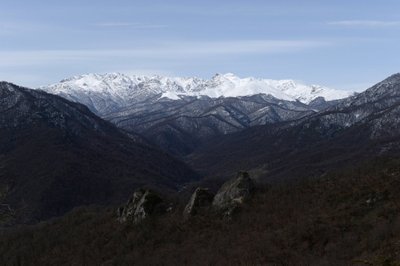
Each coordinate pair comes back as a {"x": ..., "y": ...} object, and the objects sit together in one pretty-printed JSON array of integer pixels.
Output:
[
  {"x": 177, "y": 114},
  {"x": 363, "y": 126},
  {"x": 109, "y": 92}
]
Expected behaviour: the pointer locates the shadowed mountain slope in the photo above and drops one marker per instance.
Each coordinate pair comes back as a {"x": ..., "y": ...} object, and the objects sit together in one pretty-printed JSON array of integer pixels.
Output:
[
  {"x": 55, "y": 154},
  {"x": 362, "y": 126}
]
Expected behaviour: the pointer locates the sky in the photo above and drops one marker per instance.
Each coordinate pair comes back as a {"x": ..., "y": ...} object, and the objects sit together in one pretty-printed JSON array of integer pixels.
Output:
[{"x": 341, "y": 44}]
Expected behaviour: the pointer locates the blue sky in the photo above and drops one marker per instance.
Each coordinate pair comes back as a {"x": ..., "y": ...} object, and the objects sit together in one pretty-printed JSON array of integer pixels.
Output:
[{"x": 341, "y": 44}]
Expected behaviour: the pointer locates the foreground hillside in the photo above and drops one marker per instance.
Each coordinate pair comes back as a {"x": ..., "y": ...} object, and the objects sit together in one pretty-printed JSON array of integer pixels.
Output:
[
  {"x": 56, "y": 155},
  {"x": 347, "y": 217}
]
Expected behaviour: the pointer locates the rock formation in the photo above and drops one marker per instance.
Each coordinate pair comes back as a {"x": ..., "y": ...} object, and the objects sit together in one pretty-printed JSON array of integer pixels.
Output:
[
  {"x": 200, "y": 200},
  {"x": 141, "y": 205},
  {"x": 233, "y": 193}
]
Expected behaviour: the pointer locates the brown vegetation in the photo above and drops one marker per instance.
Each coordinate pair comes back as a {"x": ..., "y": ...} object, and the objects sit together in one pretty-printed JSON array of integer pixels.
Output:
[{"x": 349, "y": 217}]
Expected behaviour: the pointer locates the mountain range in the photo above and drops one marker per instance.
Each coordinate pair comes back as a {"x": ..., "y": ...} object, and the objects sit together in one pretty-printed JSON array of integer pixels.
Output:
[
  {"x": 261, "y": 129},
  {"x": 105, "y": 93},
  {"x": 179, "y": 114},
  {"x": 325, "y": 173},
  {"x": 56, "y": 154},
  {"x": 363, "y": 126}
]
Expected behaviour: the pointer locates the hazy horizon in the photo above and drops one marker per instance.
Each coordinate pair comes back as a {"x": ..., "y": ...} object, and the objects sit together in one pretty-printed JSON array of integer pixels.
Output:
[{"x": 312, "y": 41}]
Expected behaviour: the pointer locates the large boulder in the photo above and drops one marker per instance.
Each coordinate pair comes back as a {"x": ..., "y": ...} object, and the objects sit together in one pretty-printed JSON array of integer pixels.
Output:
[
  {"x": 233, "y": 193},
  {"x": 200, "y": 201},
  {"x": 141, "y": 205}
]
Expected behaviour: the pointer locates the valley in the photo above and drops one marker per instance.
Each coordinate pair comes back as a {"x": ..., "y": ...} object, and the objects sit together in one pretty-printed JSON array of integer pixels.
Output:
[
  {"x": 65, "y": 168},
  {"x": 210, "y": 133}
]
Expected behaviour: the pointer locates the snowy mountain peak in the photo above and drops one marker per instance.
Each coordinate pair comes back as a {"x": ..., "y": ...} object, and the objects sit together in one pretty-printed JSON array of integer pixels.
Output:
[{"x": 113, "y": 90}]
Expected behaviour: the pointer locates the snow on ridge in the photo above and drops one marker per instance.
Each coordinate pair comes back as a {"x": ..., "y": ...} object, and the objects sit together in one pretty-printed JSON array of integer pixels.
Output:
[{"x": 121, "y": 87}]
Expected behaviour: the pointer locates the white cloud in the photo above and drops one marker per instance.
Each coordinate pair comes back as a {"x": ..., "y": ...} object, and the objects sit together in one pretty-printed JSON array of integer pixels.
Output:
[
  {"x": 130, "y": 25},
  {"x": 365, "y": 23},
  {"x": 166, "y": 50},
  {"x": 21, "y": 28},
  {"x": 242, "y": 47},
  {"x": 38, "y": 67},
  {"x": 8, "y": 28}
]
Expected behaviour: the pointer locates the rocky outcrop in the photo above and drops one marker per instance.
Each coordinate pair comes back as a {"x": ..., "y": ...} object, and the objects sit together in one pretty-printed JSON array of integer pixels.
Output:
[
  {"x": 142, "y": 204},
  {"x": 200, "y": 201},
  {"x": 233, "y": 193}
]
